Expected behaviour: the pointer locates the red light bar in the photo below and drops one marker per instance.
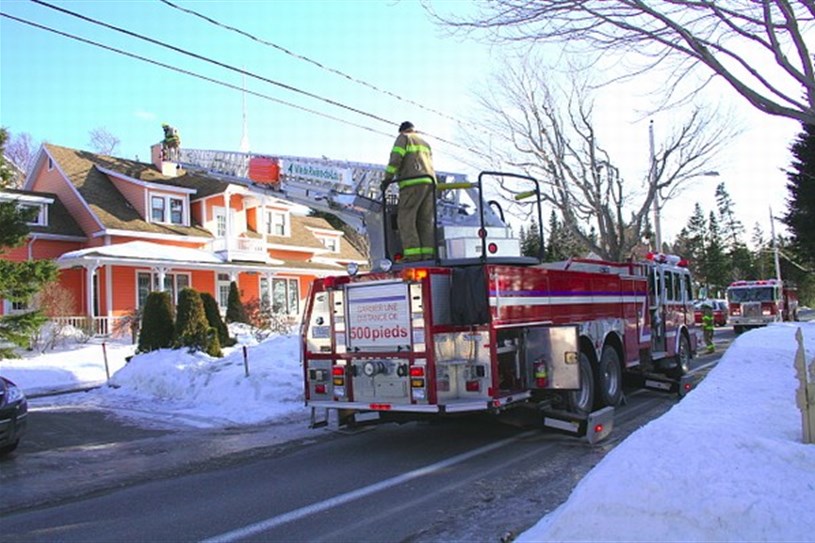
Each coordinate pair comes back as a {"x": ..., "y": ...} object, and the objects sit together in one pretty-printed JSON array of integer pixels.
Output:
[{"x": 380, "y": 406}]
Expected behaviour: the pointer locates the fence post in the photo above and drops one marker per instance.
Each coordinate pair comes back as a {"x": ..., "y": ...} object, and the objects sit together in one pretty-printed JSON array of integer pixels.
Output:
[
  {"x": 245, "y": 361},
  {"x": 805, "y": 395},
  {"x": 105, "y": 355}
]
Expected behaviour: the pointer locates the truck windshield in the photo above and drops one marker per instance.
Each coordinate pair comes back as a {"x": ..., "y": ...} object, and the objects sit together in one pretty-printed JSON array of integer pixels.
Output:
[{"x": 751, "y": 294}]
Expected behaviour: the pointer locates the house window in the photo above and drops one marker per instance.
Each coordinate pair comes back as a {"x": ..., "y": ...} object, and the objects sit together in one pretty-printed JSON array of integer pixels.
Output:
[
  {"x": 50, "y": 163},
  {"x": 157, "y": 209},
  {"x": 40, "y": 219},
  {"x": 332, "y": 244},
  {"x": 146, "y": 282},
  {"x": 159, "y": 206},
  {"x": 223, "y": 290},
  {"x": 176, "y": 211},
  {"x": 15, "y": 307},
  {"x": 285, "y": 296},
  {"x": 277, "y": 223},
  {"x": 220, "y": 224}
]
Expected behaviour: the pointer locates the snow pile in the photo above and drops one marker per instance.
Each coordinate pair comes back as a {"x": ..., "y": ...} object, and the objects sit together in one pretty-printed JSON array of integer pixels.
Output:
[{"x": 726, "y": 464}]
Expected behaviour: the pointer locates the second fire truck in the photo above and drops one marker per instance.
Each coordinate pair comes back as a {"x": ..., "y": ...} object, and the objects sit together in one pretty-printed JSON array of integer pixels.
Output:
[{"x": 758, "y": 303}]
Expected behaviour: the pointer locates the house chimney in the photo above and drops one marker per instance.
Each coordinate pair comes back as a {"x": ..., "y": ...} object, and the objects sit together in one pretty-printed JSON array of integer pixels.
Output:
[{"x": 167, "y": 169}]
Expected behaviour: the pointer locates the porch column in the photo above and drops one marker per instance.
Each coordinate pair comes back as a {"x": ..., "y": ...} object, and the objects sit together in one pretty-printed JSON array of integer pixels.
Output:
[
  {"x": 269, "y": 277},
  {"x": 161, "y": 271},
  {"x": 90, "y": 270},
  {"x": 109, "y": 290}
]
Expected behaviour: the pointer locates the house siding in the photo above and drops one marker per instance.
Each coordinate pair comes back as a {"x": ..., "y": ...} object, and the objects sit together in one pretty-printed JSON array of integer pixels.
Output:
[
  {"x": 52, "y": 181},
  {"x": 133, "y": 193}
]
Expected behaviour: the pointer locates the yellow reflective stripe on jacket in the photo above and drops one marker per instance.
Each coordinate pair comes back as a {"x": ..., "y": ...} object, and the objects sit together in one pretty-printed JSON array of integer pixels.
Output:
[
  {"x": 413, "y": 251},
  {"x": 401, "y": 151},
  {"x": 417, "y": 149},
  {"x": 390, "y": 169},
  {"x": 416, "y": 181}
]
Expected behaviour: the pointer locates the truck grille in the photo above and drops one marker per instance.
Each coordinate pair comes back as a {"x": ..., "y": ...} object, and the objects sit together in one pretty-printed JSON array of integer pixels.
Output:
[{"x": 751, "y": 309}]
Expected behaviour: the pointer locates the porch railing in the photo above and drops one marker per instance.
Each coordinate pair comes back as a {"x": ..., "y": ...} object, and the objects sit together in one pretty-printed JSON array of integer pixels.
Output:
[{"x": 93, "y": 326}]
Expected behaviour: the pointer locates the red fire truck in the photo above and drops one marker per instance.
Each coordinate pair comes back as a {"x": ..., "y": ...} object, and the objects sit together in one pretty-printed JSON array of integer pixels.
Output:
[
  {"x": 481, "y": 329},
  {"x": 758, "y": 303}
]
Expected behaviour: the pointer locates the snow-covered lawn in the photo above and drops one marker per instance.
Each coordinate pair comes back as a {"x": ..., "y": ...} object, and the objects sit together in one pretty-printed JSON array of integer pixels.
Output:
[{"x": 725, "y": 464}]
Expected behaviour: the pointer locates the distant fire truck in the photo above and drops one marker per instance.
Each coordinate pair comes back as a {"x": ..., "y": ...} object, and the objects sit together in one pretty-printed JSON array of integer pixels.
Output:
[
  {"x": 758, "y": 303},
  {"x": 481, "y": 329}
]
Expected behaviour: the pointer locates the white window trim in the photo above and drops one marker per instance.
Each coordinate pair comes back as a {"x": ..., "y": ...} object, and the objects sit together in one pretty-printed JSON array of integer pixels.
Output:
[
  {"x": 154, "y": 279},
  {"x": 185, "y": 209},
  {"x": 42, "y": 216},
  {"x": 8, "y": 308},
  {"x": 269, "y": 220},
  {"x": 325, "y": 240}
]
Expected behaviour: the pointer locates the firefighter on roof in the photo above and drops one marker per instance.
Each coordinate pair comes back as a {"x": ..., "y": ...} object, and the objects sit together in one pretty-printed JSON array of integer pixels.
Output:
[
  {"x": 411, "y": 166},
  {"x": 707, "y": 327},
  {"x": 171, "y": 143}
]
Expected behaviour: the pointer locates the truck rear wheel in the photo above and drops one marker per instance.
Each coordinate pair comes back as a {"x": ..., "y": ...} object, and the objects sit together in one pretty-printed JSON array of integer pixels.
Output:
[
  {"x": 682, "y": 358},
  {"x": 608, "y": 378},
  {"x": 581, "y": 400}
]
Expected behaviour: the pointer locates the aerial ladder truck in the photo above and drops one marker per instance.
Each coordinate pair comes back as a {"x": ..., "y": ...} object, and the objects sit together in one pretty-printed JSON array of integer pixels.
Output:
[{"x": 479, "y": 328}]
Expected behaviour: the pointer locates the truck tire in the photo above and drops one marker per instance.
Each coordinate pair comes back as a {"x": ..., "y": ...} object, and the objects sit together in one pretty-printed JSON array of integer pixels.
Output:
[
  {"x": 608, "y": 378},
  {"x": 738, "y": 329},
  {"x": 682, "y": 358},
  {"x": 581, "y": 401}
]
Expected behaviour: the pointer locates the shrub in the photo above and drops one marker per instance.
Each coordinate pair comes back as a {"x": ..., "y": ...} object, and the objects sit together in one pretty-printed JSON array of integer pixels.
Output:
[
  {"x": 214, "y": 319},
  {"x": 157, "y": 323},
  {"x": 264, "y": 321},
  {"x": 234, "y": 307},
  {"x": 191, "y": 327}
]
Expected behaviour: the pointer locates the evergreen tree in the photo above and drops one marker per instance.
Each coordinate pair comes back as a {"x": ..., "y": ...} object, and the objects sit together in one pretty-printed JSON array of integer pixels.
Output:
[
  {"x": 192, "y": 330},
  {"x": 19, "y": 281},
  {"x": 800, "y": 216},
  {"x": 215, "y": 321},
  {"x": 157, "y": 323},
  {"x": 531, "y": 244},
  {"x": 717, "y": 272},
  {"x": 690, "y": 243},
  {"x": 235, "y": 311},
  {"x": 761, "y": 256},
  {"x": 731, "y": 228}
]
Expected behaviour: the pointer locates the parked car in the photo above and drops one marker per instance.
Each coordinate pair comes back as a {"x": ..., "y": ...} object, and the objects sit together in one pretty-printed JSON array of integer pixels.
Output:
[
  {"x": 13, "y": 415},
  {"x": 719, "y": 311}
]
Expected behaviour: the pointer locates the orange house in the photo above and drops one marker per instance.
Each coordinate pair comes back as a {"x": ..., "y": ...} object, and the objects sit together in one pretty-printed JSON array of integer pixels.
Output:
[{"x": 119, "y": 229}]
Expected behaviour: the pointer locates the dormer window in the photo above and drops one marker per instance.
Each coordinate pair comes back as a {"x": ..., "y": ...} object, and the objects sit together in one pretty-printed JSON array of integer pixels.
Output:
[
  {"x": 41, "y": 218},
  {"x": 278, "y": 223},
  {"x": 332, "y": 244},
  {"x": 166, "y": 209}
]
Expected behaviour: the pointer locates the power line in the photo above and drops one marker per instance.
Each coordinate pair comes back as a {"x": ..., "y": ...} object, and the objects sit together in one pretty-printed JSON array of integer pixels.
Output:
[
  {"x": 238, "y": 70},
  {"x": 312, "y": 61},
  {"x": 190, "y": 73},
  {"x": 212, "y": 61}
]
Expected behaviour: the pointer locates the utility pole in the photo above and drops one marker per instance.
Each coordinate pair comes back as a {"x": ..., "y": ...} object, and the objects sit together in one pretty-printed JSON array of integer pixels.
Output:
[
  {"x": 775, "y": 246},
  {"x": 652, "y": 182}
]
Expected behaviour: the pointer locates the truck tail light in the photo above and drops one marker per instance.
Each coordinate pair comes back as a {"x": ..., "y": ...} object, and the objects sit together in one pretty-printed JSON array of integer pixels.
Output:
[
  {"x": 417, "y": 371},
  {"x": 417, "y": 383},
  {"x": 319, "y": 389}
]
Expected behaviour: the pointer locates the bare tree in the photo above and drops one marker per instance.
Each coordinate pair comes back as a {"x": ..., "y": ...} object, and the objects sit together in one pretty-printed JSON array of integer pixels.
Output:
[
  {"x": 21, "y": 150},
  {"x": 758, "y": 47},
  {"x": 553, "y": 138},
  {"x": 103, "y": 142}
]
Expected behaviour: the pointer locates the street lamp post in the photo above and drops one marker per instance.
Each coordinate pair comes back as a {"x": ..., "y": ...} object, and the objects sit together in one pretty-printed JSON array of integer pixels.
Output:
[{"x": 652, "y": 181}]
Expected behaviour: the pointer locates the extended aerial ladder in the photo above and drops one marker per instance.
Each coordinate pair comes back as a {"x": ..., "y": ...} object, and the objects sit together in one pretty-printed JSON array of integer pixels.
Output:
[{"x": 352, "y": 192}]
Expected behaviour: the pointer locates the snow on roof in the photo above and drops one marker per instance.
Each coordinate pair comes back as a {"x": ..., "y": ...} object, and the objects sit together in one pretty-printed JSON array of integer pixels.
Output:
[{"x": 145, "y": 250}]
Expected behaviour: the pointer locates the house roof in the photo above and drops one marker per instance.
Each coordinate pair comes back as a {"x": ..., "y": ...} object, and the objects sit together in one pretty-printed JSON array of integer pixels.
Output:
[
  {"x": 105, "y": 200},
  {"x": 60, "y": 221},
  {"x": 347, "y": 251}
]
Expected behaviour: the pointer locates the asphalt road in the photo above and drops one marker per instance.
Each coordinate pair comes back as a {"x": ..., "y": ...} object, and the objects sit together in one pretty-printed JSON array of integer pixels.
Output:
[{"x": 84, "y": 476}]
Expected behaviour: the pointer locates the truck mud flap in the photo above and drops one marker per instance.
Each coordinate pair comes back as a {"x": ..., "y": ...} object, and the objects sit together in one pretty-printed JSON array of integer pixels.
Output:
[
  {"x": 680, "y": 386},
  {"x": 595, "y": 427}
]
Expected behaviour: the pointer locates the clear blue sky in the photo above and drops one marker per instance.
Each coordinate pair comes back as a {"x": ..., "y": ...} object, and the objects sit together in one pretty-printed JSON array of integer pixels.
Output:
[{"x": 58, "y": 90}]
